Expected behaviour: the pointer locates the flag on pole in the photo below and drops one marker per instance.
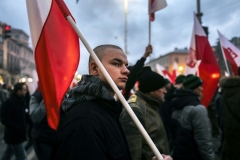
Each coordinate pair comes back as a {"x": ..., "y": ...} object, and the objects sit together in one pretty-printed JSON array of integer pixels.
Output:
[
  {"x": 230, "y": 52},
  {"x": 202, "y": 61},
  {"x": 155, "y": 6},
  {"x": 56, "y": 52},
  {"x": 162, "y": 71}
]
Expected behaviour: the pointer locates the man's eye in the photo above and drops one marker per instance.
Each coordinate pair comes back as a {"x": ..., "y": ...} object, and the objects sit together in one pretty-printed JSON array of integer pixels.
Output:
[{"x": 116, "y": 64}]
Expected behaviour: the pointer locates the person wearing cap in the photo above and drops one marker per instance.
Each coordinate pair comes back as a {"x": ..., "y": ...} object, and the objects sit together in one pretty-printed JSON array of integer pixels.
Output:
[
  {"x": 179, "y": 81},
  {"x": 145, "y": 103},
  {"x": 190, "y": 123}
]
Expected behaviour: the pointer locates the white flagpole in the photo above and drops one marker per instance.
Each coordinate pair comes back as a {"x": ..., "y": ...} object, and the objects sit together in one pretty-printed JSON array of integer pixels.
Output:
[
  {"x": 66, "y": 13},
  {"x": 116, "y": 90},
  {"x": 149, "y": 22}
]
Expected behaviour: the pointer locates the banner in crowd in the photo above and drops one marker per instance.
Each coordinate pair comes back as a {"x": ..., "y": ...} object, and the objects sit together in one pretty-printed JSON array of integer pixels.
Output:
[
  {"x": 155, "y": 6},
  {"x": 56, "y": 51},
  {"x": 230, "y": 52},
  {"x": 202, "y": 61},
  {"x": 170, "y": 76}
]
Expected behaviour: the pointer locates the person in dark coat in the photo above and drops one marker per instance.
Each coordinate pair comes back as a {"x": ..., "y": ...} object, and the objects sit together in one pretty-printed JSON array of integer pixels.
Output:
[
  {"x": 13, "y": 117},
  {"x": 91, "y": 129},
  {"x": 145, "y": 103},
  {"x": 43, "y": 135},
  {"x": 166, "y": 109},
  {"x": 231, "y": 117},
  {"x": 191, "y": 129},
  {"x": 29, "y": 122},
  {"x": 132, "y": 77}
]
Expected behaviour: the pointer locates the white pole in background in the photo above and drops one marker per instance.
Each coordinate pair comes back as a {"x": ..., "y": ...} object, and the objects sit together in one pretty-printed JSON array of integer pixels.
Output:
[{"x": 125, "y": 31}]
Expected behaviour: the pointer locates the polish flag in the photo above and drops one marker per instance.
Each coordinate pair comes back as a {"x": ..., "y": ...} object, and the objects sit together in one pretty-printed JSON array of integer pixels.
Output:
[
  {"x": 162, "y": 71},
  {"x": 202, "y": 61},
  {"x": 230, "y": 53},
  {"x": 156, "y": 5},
  {"x": 56, "y": 51},
  {"x": 175, "y": 69}
]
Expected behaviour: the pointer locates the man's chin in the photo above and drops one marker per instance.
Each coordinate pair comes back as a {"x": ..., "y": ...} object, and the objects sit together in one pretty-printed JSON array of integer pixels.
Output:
[{"x": 121, "y": 87}]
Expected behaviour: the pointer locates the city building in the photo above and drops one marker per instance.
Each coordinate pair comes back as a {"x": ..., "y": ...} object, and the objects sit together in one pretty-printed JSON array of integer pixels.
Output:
[
  {"x": 178, "y": 55},
  {"x": 16, "y": 56}
]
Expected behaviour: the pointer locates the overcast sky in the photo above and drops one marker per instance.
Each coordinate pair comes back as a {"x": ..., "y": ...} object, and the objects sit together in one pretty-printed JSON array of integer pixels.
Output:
[{"x": 102, "y": 21}]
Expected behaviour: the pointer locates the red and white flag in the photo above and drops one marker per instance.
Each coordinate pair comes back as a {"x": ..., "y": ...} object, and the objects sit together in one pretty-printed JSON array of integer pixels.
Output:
[
  {"x": 156, "y": 5},
  {"x": 162, "y": 71},
  {"x": 230, "y": 52},
  {"x": 202, "y": 61},
  {"x": 56, "y": 51}
]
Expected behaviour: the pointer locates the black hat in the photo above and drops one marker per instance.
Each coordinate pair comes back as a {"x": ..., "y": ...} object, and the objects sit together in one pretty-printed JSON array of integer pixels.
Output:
[
  {"x": 192, "y": 82},
  {"x": 149, "y": 81},
  {"x": 179, "y": 79}
]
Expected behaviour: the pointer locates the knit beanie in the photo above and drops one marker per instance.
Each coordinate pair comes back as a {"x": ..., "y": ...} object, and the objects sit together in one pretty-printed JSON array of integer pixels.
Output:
[
  {"x": 149, "y": 81},
  {"x": 191, "y": 82},
  {"x": 179, "y": 79}
]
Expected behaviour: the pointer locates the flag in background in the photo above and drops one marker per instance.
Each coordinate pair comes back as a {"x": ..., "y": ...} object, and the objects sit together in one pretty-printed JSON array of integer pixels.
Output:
[
  {"x": 230, "y": 52},
  {"x": 162, "y": 71},
  {"x": 208, "y": 70},
  {"x": 156, "y": 5},
  {"x": 56, "y": 51}
]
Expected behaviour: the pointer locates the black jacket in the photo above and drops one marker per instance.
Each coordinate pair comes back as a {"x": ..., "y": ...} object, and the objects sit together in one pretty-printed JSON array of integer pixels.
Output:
[
  {"x": 190, "y": 128},
  {"x": 132, "y": 77},
  {"x": 41, "y": 131},
  {"x": 13, "y": 117},
  {"x": 90, "y": 129}
]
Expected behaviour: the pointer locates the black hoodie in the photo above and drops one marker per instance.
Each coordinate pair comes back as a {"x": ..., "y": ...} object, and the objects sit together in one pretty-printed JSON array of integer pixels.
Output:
[
  {"x": 90, "y": 129},
  {"x": 190, "y": 127}
]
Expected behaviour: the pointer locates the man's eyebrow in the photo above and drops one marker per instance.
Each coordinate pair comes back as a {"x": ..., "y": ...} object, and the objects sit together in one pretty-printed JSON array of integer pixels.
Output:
[{"x": 116, "y": 59}]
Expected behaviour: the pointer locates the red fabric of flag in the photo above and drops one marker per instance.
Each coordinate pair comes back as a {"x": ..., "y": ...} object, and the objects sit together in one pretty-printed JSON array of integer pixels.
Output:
[
  {"x": 56, "y": 54},
  {"x": 208, "y": 69}
]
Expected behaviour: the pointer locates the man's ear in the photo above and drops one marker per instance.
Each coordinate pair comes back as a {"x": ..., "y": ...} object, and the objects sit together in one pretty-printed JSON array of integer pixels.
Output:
[{"x": 93, "y": 69}]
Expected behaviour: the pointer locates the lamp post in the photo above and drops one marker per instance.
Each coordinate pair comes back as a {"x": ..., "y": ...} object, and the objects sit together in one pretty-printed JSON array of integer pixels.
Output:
[{"x": 125, "y": 31}]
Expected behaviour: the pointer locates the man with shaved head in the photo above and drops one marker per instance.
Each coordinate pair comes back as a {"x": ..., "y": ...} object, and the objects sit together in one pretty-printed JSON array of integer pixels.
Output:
[{"x": 91, "y": 129}]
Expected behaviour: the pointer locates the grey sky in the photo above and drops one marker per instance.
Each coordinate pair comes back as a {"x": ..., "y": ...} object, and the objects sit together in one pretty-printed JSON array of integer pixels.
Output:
[{"x": 102, "y": 21}]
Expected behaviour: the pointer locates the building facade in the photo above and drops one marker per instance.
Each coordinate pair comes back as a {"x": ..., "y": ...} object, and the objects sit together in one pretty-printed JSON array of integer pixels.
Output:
[
  {"x": 167, "y": 61},
  {"x": 16, "y": 57}
]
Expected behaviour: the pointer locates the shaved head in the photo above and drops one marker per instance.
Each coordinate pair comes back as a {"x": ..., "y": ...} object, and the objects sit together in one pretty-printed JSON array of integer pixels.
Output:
[{"x": 100, "y": 52}]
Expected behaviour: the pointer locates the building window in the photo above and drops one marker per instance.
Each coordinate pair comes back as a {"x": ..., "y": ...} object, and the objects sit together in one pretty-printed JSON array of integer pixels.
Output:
[
  {"x": 176, "y": 59},
  {"x": 1, "y": 59}
]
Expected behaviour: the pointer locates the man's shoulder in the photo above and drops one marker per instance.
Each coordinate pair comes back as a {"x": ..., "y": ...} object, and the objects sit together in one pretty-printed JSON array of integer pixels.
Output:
[
  {"x": 133, "y": 99},
  {"x": 84, "y": 110}
]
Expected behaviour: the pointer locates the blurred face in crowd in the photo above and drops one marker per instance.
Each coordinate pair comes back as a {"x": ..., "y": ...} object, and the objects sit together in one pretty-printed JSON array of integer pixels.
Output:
[
  {"x": 199, "y": 91},
  {"x": 22, "y": 92},
  {"x": 158, "y": 95},
  {"x": 115, "y": 62}
]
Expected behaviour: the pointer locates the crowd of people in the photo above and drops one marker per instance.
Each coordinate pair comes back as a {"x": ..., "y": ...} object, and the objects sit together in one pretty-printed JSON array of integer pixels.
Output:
[{"x": 95, "y": 125}]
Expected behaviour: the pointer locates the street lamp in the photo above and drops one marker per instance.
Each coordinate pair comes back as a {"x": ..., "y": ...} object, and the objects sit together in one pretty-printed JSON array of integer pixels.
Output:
[{"x": 125, "y": 13}]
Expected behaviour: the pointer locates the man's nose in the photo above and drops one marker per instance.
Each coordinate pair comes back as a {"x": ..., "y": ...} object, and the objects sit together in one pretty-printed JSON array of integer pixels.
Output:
[{"x": 125, "y": 70}]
